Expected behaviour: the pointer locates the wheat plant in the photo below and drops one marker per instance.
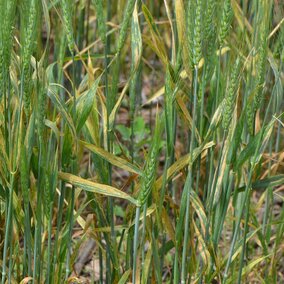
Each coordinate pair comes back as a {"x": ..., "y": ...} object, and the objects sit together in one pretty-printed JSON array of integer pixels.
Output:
[{"x": 141, "y": 141}]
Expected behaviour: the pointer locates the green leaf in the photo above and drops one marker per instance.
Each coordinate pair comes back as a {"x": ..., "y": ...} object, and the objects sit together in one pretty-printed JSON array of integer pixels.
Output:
[
  {"x": 140, "y": 129},
  {"x": 266, "y": 183},
  {"x": 124, "y": 131},
  {"x": 85, "y": 104},
  {"x": 61, "y": 107},
  {"x": 124, "y": 277},
  {"x": 250, "y": 149}
]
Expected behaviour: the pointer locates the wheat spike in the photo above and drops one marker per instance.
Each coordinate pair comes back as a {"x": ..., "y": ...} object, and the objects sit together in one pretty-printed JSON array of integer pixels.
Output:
[{"x": 231, "y": 95}]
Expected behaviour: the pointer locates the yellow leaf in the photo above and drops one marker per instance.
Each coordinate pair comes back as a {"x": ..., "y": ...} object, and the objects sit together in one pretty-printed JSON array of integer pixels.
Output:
[
  {"x": 94, "y": 187},
  {"x": 114, "y": 160}
]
